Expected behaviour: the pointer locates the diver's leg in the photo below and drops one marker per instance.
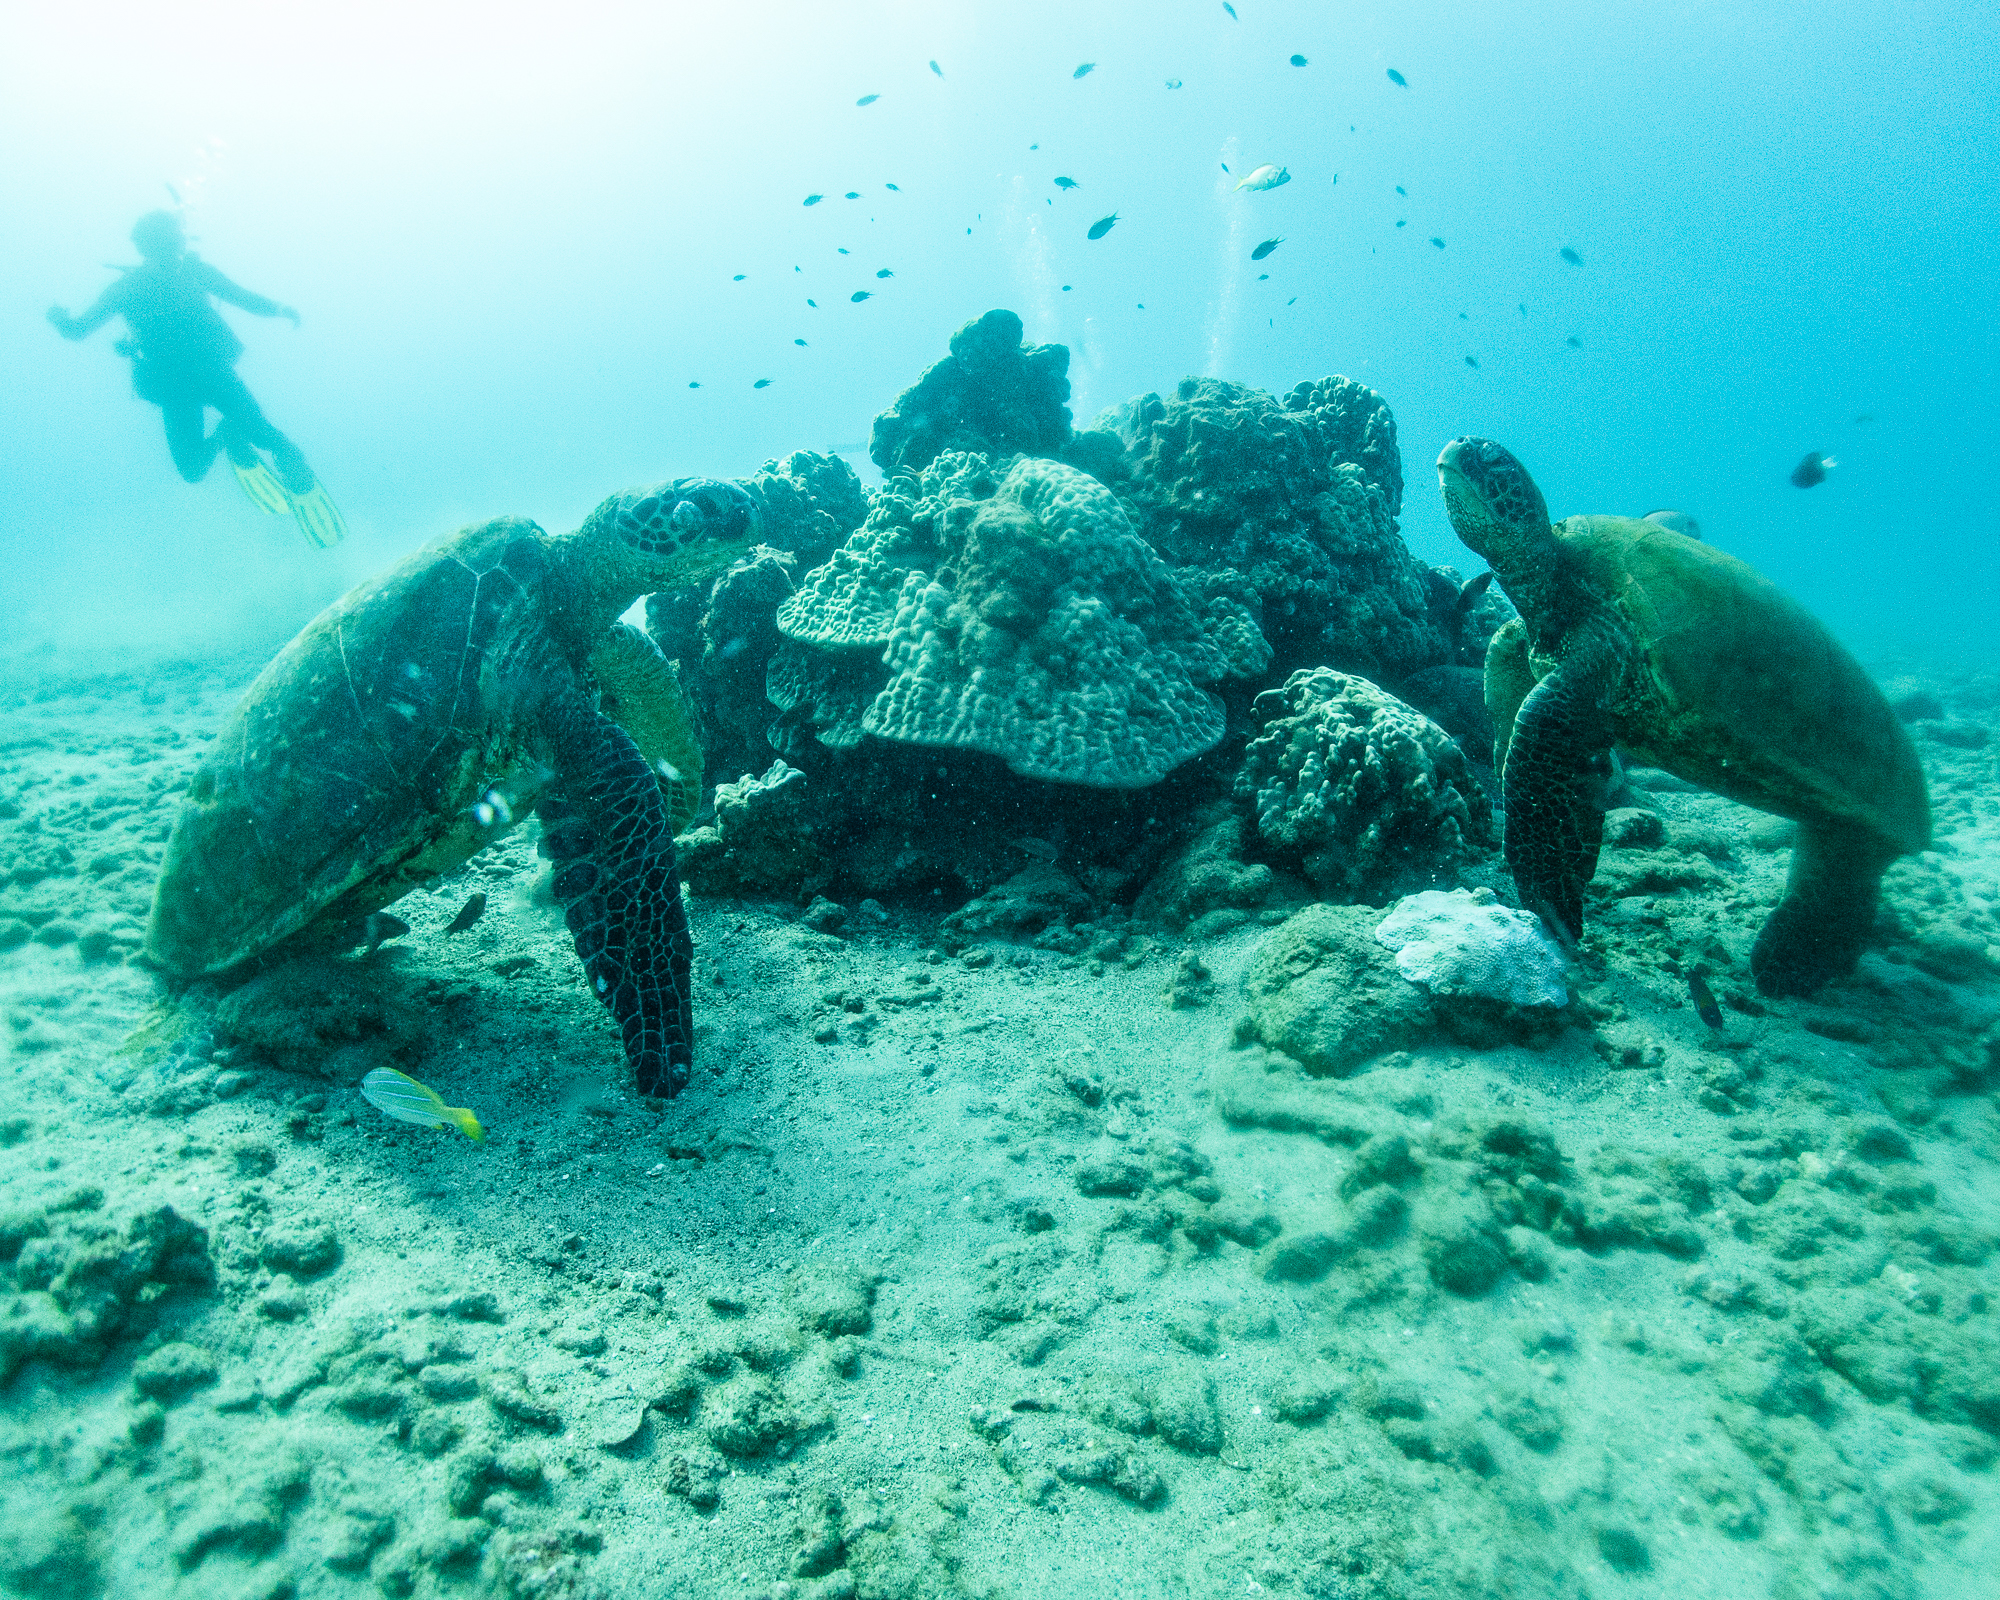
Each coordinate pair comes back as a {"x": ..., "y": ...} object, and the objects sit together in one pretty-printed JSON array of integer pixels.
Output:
[
  {"x": 187, "y": 437},
  {"x": 1818, "y": 930},
  {"x": 244, "y": 418}
]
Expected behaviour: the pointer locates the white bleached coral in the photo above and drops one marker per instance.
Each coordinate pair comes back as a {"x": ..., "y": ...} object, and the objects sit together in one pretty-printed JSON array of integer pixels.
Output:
[{"x": 1468, "y": 944}]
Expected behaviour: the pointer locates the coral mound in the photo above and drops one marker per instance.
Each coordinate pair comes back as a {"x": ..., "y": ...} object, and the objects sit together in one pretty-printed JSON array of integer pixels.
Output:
[
  {"x": 992, "y": 394},
  {"x": 1288, "y": 507},
  {"x": 1025, "y": 620},
  {"x": 1366, "y": 796}
]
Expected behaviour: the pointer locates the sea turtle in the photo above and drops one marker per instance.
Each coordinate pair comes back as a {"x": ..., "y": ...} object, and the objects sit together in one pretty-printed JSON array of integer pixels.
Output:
[
  {"x": 418, "y": 716},
  {"x": 1635, "y": 636}
]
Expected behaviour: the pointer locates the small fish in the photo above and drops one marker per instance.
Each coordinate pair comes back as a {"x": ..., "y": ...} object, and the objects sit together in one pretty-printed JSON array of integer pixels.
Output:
[
  {"x": 1574, "y": 342},
  {"x": 1102, "y": 226},
  {"x": 378, "y": 927},
  {"x": 841, "y": 248},
  {"x": 468, "y": 914},
  {"x": 1336, "y": 177},
  {"x": 1065, "y": 289},
  {"x": 813, "y": 199},
  {"x": 937, "y": 69},
  {"x": 814, "y": 304},
  {"x": 1298, "y": 61},
  {"x": 885, "y": 273},
  {"x": 1226, "y": 6},
  {"x": 1524, "y": 311},
  {"x": 852, "y": 194},
  {"x": 1085, "y": 70},
  {"x": 1464, "y": 317},
  {"x": 1678, "y": 521},
  {"x": 1468, "y": 597},
  {"x": 1173, "y": 83},
  {"x": 1473, "y": 362},
  {"x": 1866, "y": 416},
  {"x": 1291, "y": 302},
  {"x": 1570, "y": 256},
  {"x": 1402, "y": 191},
  {"x": 1402, "y": 222},
  {"x": 868, "y": 99},
  {"x": 739, "y": 277},
  {"x": 1268, "y": 176},
  {"x": 860, "y": 295},
  {"x": 1398, "y": 79},
  {"x": 692, "y": 384},
  {"x": 1260, "y": 278},
  {"x": 1067, "y": 183},
  {"x": 892, "y": 188},
  {"x": 1812, "y": 470},
  {"x": 1040, "y": 849},
  {"x": 761, "y": 383},
  {"x": 1704, "y": 998},
  {"x": 1265, "y": 249},
  {"x": 399, "y": 1095},
  {"x": 172, "y": 191},
  {"x": 1437, "y": 241},
  {"x": 798, "y": 341}
]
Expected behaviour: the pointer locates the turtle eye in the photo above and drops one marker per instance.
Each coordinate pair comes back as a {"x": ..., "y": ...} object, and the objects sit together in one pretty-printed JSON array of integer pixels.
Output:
[{"x": 686, "y": 518}]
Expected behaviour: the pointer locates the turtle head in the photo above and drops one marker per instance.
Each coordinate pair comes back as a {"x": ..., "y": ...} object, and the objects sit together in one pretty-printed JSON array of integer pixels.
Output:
[
  {"x": 644, "y": 540},
  {"x": 1495, "y": 508},
  {"x": 677, "y": 532}
]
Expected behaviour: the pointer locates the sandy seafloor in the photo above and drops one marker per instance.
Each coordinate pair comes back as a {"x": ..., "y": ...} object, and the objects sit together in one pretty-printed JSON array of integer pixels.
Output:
[{"x": 986, "y": 1272}]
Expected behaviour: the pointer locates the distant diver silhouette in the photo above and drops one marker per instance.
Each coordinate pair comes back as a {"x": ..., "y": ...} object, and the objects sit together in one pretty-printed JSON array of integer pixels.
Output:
[{"x": 184, "y": 360}]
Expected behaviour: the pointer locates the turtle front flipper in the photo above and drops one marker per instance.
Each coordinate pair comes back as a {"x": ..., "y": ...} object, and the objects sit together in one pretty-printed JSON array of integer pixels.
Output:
[
  {"x": 1818, "y": 931},
  {"x": 607, "y": 829},
  {"x": 1510, "y": 678},
  {"x": 1553, "y": 786},
  {"x": 643, "y": 694}
]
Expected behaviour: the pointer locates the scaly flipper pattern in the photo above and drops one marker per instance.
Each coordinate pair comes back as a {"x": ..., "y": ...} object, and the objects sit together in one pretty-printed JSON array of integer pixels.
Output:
[
  {"x": 607, "y": 830},
  {"x": 1553, "y": 786}
]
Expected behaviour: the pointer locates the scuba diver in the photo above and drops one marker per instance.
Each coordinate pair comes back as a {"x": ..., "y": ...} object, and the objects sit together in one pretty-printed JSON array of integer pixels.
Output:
[{"x": 184, "y": 360}]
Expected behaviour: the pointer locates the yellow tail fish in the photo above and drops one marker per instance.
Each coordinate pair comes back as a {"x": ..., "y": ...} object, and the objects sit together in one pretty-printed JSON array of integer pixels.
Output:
[{"x": 407, "y": 1100}]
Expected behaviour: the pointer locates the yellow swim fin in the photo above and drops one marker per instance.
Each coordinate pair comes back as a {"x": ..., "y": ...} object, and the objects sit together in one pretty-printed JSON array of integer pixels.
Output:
[
  {"x": 319, "y": 519},
  {"x": 261, "y": 488}
]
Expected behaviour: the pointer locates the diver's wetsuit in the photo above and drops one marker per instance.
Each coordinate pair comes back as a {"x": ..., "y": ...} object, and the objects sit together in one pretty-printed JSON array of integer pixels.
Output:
[{"x": 184, "y": 358}]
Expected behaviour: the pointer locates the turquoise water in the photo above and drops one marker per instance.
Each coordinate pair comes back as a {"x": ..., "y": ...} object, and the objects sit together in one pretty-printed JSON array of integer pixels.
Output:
[
  {"x": 514, "y": 246},
  {"x": 1083, "y": 1186}
]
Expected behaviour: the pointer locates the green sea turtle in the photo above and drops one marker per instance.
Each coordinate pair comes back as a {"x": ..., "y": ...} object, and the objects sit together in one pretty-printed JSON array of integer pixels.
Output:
[
  {"x": 1635, "y": 636},
  {"x": 414, "y": 719}
]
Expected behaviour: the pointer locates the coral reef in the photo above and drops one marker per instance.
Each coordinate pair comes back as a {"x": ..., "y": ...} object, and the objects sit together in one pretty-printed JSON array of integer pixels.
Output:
[
  {"x": 1289, "y": 508},
  {"x": 1047, "y": 633},
  {"x": 1363, "y": 795},
  {"x": 762, "y": 837},
  {"x": 739, "y": 634},
  {"x": 993, "y": 395},
  {"x": 809, "y": 504}
]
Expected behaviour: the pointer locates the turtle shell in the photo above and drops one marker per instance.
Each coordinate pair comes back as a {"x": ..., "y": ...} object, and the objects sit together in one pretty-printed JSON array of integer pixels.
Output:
[
  {"x": 350, "y": 770},
  {"x": 1745, "y": 692}
]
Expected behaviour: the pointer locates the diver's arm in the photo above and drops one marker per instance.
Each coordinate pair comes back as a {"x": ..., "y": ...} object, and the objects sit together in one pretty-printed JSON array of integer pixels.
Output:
[
  {"x": 102, "y": 311},
  {"x": 223, "y": 288}
]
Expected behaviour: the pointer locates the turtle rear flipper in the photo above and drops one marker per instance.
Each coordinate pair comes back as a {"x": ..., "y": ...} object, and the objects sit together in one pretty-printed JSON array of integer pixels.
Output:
[
  {"x": 1553, "y": 787},
  {"x": 606, "y": 828},
  {"x": 1818, "y": 931}
]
